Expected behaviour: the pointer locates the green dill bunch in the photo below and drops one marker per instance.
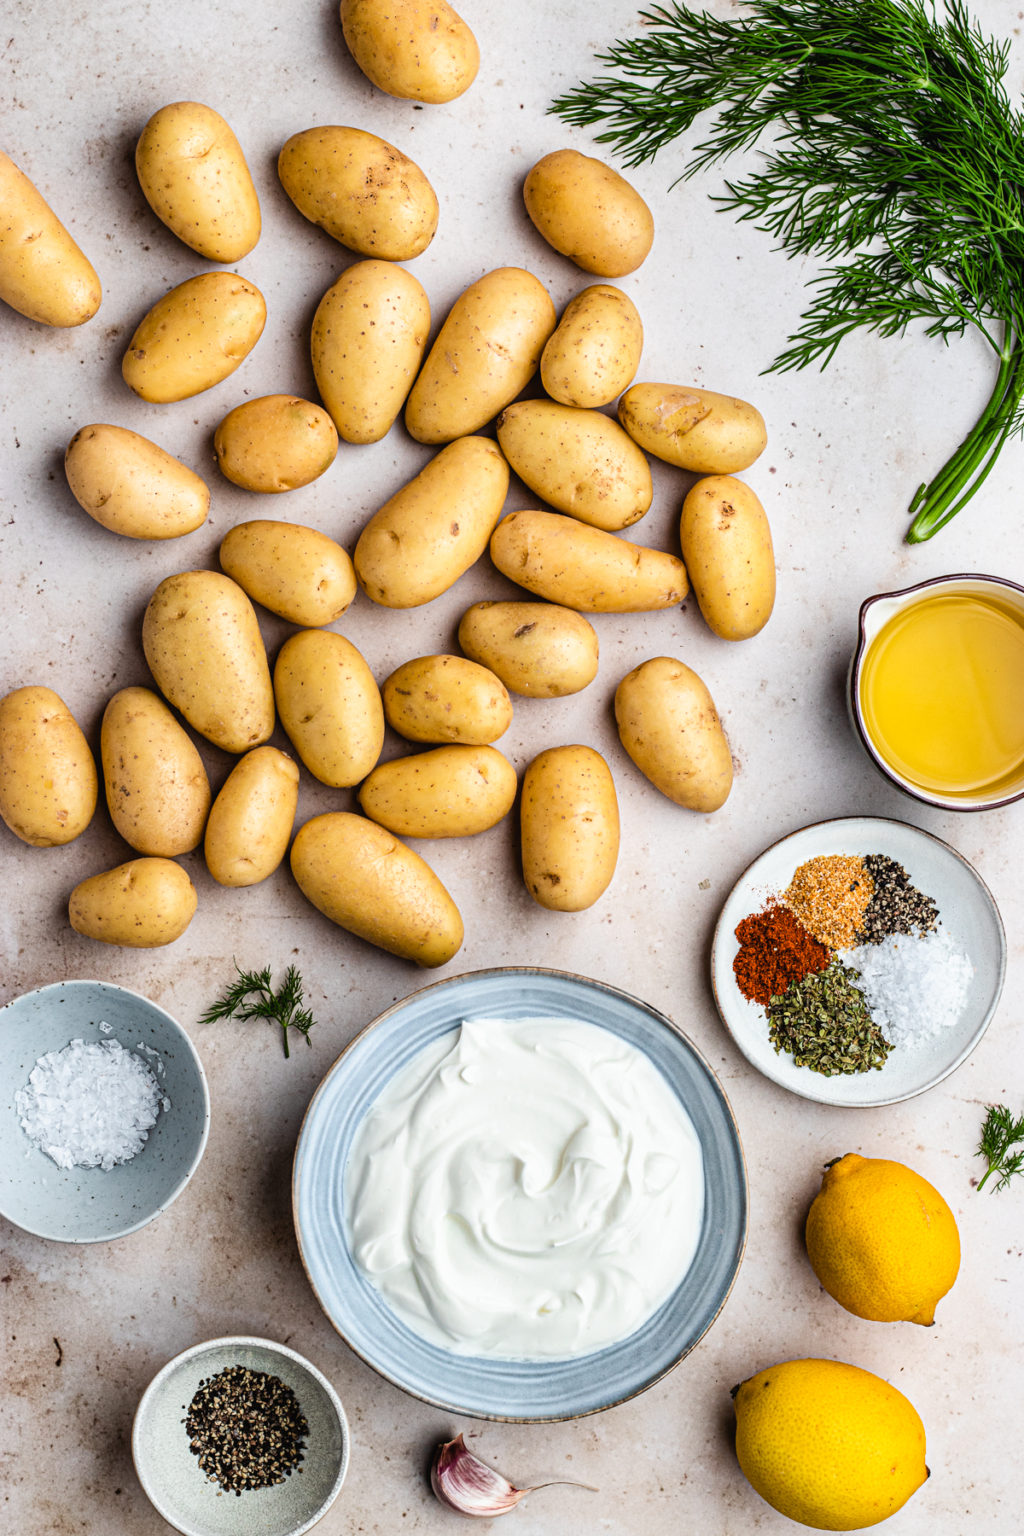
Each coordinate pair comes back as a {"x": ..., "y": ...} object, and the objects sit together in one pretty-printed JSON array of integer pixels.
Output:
[{"x": 889, "y": 149}]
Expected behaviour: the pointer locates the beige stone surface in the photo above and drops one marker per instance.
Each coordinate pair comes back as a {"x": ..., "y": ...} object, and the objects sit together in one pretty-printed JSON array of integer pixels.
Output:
[{"x": 84, "y": 1329}]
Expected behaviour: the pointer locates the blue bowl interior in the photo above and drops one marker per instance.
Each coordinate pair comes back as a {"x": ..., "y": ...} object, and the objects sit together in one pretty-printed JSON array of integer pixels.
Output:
[
  {"x": 503, "y": 1389},
  {"x": 84, "y": 1205}
]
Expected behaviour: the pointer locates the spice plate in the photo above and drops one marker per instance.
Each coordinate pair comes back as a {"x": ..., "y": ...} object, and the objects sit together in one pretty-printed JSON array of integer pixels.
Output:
[
  {"x": 92, "y": 1205},
  {"x": 197, "y": 1506},
  {"x": 967, "y": 912},
  {"x": 536, "y": 1390}
]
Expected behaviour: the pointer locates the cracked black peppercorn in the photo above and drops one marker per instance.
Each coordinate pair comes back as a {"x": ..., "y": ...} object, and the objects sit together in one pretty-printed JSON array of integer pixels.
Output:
[{"x": 246, "y": 1428}]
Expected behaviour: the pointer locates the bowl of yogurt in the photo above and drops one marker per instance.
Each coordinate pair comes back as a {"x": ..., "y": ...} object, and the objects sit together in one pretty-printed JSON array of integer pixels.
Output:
[{"x": 520, "y": 1194}]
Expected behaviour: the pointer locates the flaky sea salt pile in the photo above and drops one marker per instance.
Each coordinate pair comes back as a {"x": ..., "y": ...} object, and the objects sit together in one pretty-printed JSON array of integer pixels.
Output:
[
  {"x": 916, "y": 985},
  {"x": 89, "y": 1106}
]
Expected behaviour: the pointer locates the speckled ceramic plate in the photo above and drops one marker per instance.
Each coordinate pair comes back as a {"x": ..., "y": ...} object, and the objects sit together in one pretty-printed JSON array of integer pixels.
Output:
[
  {"x": 91, "y": 1205},
  {"x": 176, "y": 1484},
  {"x": 966, "y": 910},
  {"x": 523, "y": 1391}
]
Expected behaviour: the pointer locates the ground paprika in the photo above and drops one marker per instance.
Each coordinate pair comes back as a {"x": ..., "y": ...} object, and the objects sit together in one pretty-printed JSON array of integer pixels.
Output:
[{"x": 775, "y": 951}]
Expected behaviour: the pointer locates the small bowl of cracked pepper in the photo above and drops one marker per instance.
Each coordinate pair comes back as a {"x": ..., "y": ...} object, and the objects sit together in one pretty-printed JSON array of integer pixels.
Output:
[
  {"x": 858, "y": 961},
  {"x": 240, "y": 1437}
]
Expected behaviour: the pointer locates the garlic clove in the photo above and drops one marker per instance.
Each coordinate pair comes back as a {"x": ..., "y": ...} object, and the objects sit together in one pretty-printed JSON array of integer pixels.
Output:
[{"x": 467, "y": 1485}]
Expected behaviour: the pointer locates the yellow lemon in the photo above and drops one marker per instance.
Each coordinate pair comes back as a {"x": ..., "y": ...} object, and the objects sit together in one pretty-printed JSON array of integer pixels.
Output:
[
  {"x": 828, "y": 1444},
  {"x": 882, "y": 1240}
]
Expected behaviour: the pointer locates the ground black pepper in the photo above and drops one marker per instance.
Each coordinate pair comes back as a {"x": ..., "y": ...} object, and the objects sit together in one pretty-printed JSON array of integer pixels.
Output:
[
  {"x": 895, "y": 906},
  {"x": 246, "y": 1428}
]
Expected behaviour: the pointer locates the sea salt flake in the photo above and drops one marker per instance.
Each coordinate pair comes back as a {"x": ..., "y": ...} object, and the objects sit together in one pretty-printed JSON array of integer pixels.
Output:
[
  {"x": 916, "y": 985},
  {"x": 90, "y": 1106}
]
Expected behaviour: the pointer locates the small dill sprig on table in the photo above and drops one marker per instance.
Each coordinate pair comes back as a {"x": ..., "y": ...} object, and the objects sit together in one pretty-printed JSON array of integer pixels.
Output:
[
  {"x": 283, "y": 1007},
  {"x": 999, "y": 1133},
  {"x": 895, "y": 155}
]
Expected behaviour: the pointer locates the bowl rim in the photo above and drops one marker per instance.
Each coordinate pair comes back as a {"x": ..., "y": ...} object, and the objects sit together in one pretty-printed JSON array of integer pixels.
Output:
[
  {"x": 241, "y": 1341},
  {"x": 72, "y": 983},
  {"x": 958, "y": 1061},
  {"x": 939, "y": 802},
  {"x": 648, "y": 1008}
]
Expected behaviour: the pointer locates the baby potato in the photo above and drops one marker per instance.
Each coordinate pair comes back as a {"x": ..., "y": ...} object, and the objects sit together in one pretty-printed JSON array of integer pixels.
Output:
[
  {"x": 452, "y": 791},
  {"x": 203, "y": 644},
  {"x": 446, "y": 699},
  {"x": 669, "y": 725},
  {"x": 589, "y": 212},
  {"x": 370, "y": 332},
  {"x": 129, "y": 485},
  {"x": 194, "y": 177},
  {"x": 418, "y": 50},
  {"x": 362, "y": 878},
  {"x": 566, "y": 562},
  {"x": 48, "y": 780},
  {"x": 143, "y": 904},
  {"x": 360, "y": 189},
  {"x": 595, "y": 351},
  {"x": 298, "y": 573},
  {"x": 251, "y": 819},
  {"x": 275, "y": 443},
  {"x": 579, "y": 461},
  {"x": 693, "y": 428},
  {"x": 538, "y": 649},
  {"x": 43, "y": 274},
  {"x": 432, "y": 530},
  {"x": 158, "y": 794},
  {"x": 329, "y": 705},
  {"x": 485, "y": 354},
  {"x": 727, "y": 547},
  {"x": 570, "y": 828},
  {"x": 194, "y": 337}
]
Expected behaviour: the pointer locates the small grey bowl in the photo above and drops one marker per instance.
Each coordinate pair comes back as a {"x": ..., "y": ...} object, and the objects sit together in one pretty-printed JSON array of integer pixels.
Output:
[
  {"x": 172, "y": 1478},
  {"x": 92, "y": 1205}
]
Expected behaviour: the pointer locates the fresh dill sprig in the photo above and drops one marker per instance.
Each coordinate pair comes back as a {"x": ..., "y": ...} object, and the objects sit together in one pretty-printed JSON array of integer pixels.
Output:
[
  {"x": 895, "y": 155},
  {"x": 999, "y": 1133},
  {"x": 283, "y": 1007}
]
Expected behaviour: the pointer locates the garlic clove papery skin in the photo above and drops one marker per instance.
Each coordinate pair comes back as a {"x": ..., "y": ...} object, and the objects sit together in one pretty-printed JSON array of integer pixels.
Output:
[{"x": 467, "y": 1485}]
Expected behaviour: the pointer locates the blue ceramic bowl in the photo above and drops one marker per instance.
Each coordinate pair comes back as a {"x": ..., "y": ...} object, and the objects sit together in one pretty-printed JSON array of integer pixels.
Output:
[
  {"x": 90, "y": 1205},
  {"x": 519, "y": 1391}
]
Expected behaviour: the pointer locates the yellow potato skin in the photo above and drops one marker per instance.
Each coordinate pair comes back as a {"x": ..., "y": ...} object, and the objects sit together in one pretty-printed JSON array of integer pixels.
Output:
[
  {"x": 669, "y": 725},
  {"x": 418, "y": 50},
  {"x": 565, "y": 562},
  {"x": 695, "y": 429},
  {"x": 43, "y": 274},
  {"x": 204, "y": 648},
  {"x": 361, "y": 877},
  {"x": 194, "y": 177},
  {"x": 446, "y": 699},
  {"x": 369, "y": 334},
  {"x": 275, "y": 443},
  {"x": 360, "y": 189},
  {"x": 541, "y": 650},
  {"x": 431, "y": 531},
  {"x": 581, "y": 462},
  {"x": 570, "y": 828},
  {"x": 157, "y": 790},
  {"x": 595, "y": 350},
  {"x": 132, "y": 486},
  {"x": 451, "y": 791},
  {"x": 589, "y": 212},
  {"x": 251, "y": 819},
  {"x": 727, "y": 546},
  {"x": 48, "y": 780},
  {"x": 297, "y": 572},
  {"x": 143, "y": 904},
  {"x": 330, "y": 706},
  {"x": 194, "y": 337},
  {"x": 485, "y": 354}
]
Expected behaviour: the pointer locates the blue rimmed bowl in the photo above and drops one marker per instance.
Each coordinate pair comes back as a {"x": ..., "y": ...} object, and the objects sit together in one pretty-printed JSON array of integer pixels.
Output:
[{"x": 513, "y": 1390}]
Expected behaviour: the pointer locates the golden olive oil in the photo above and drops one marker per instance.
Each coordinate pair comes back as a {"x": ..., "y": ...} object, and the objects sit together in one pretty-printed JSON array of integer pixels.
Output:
[{"x": 942, "y": 694}]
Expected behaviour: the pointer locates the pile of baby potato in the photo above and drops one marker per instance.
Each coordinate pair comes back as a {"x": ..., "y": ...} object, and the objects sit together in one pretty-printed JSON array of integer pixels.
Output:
[{"x": 369, "y": 339}]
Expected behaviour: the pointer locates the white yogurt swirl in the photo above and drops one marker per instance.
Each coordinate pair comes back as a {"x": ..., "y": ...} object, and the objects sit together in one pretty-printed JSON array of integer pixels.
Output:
[{"x": 525, "y": 1189}]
